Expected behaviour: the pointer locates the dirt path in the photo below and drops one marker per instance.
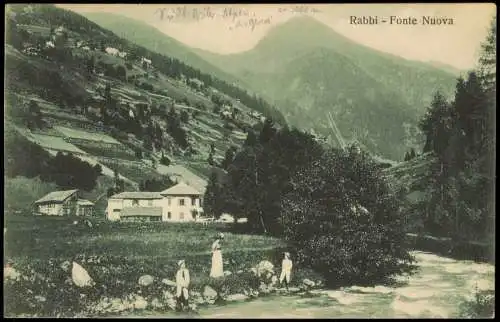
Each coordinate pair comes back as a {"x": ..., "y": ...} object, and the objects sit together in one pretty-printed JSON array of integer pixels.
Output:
[{"x": 435, "y": 291}]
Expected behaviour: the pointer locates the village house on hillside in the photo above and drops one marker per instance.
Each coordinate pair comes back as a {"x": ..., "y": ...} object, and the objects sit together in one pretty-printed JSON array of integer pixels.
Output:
[
  {"x": 63, "y": 203},
  {"x": 178, "y": 203}
]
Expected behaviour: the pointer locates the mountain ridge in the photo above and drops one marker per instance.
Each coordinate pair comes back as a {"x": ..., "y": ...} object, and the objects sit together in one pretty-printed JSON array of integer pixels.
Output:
[
  {"x": 165, "y": 44},
  {"x": 268, "y": 69},
  {"x": 263, "y": 70}
]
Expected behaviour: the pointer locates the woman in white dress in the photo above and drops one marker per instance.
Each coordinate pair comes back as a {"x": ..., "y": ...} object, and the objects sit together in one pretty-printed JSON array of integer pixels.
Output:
[{"x": 217, "y": 269}]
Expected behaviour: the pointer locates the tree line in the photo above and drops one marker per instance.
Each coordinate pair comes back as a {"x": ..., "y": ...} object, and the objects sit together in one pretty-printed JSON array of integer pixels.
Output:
[
  {"x": 26, "y": 159},
  {"x": 332, "y": 206},
  {"x": 461, "y": 135}
]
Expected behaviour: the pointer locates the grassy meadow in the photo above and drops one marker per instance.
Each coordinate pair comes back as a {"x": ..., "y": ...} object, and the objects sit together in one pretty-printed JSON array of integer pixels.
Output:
[
  {"x": 116, "y": 255},
  {"x": 47, "y": 237}
]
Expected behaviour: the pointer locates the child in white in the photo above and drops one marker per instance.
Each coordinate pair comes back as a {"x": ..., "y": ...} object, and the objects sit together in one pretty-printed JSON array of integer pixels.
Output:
[
  {"x": 286, "y": 270},
  {"x": 182, "y": 281}
]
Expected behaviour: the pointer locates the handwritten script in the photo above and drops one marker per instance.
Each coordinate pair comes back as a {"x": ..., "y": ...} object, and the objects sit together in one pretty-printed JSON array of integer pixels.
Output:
[{"x": 237, "y": 17}]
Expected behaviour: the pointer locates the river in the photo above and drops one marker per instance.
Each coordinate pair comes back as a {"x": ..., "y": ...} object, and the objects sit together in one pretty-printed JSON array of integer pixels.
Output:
[{"x": 435, "y": 291}]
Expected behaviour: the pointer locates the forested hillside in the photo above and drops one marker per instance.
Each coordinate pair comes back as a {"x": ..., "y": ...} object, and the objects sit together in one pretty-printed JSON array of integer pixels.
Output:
[
  {"x": 308, "y": 70},
  {"x": 75, "y": 90}
]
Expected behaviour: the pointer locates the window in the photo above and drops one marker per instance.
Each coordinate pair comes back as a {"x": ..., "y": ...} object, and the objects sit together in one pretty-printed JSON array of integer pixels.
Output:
[
  {"x": 150, "y": 203},
  {"x": 193, "y": 201},
  {"x": 181, "y": 216},
  {"x": 181, "y": 202},
  {"x": 169, "y": 201},
  {"x": 169, "y": 215},
  {"x": 135, "y": 202}
]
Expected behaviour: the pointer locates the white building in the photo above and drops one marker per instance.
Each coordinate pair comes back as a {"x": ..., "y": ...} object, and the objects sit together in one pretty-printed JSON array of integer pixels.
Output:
[
  {"x": 147, "y": 61},
  {"x": 178, "y": 204},
  {"x": 112, "y": 51}
]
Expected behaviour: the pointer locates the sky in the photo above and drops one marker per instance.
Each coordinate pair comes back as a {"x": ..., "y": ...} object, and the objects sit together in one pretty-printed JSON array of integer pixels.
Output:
[{"x": 235, "y": 28}]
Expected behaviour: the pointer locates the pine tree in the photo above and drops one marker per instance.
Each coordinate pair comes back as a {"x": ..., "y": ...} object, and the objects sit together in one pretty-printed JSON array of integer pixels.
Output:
[
  {"x": 211, "y": 200},
  {"x": 251, "y": 139},
  {"x": 487, "y": 59},
  {"x": 210, "y": 159},
  {"x": 268, "y": 131},
  {"x": 436, "y": 123},
  {"x": 107, "y": 93},
  {"x": 412, "y": 154},
  {"x": 91, "y": 65},
  {"x": 229, "y": 157}
]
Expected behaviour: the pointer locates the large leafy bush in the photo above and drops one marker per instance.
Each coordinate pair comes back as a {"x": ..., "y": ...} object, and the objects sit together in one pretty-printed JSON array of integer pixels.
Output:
[{"x": 344, "y": 221}]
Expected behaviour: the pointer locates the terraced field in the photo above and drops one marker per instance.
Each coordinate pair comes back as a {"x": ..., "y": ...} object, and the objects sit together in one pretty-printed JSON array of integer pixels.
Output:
[
  {"x": 134, "y": 171},
  {"x": 86, "y": 135}
]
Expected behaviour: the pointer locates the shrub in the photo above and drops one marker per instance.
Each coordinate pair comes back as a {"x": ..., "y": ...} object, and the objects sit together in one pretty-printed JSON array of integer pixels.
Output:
[
  {"x": 164, "y": 160},
  {"x": 343, "y": 220},
  {"x": 184, "y": 116},
  {"x": 481, "y": 306}
]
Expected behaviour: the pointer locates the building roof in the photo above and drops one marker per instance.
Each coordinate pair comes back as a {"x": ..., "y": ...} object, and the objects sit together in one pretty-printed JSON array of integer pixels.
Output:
[
  {"x": 137, "y": 195},
  {"x": 141, "y": 211},
  {"x": 180, "y": 189},
  {"x": 84, "y": 202},
  {"x": 56, "y": 196}
]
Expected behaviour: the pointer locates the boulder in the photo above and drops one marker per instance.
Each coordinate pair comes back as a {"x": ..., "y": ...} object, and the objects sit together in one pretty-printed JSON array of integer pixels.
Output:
[
  {"x": 263, "y": 288},
  {"x": 139, "y": 303},
  {"x": 308, "y": 283},
  {"x": 117, "y": 305},
  {"x": 146, "y": 280},
  {"x": 39, "y": 298},
  {"x": 227, "y": 273},
  {"x": 167, "y": 295},
  {"x": 236, "y": 297},
  {"x": 199, "y": 300},
  {"x": 209, "y": 294},
  {"x": 81, "y": 277},
  {"x": 11, "y": 273},
  {"x": 156, "y": 303},
  {"x": 171, "y": 303},
  {"x": 265, "y": 267},
  {"x": 168, "y": 282}
]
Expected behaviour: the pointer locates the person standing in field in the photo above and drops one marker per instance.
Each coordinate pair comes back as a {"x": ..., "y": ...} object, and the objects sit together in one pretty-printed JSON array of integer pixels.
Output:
[
  {"x": 217, "y": 268},
  {"x": 182, "y": 282},
  {"x": 286, "y": 270}
]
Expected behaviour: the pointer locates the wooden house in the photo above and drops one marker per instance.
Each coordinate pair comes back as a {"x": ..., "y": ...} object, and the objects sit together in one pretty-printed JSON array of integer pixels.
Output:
[{"x": 63, "y": 203}]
